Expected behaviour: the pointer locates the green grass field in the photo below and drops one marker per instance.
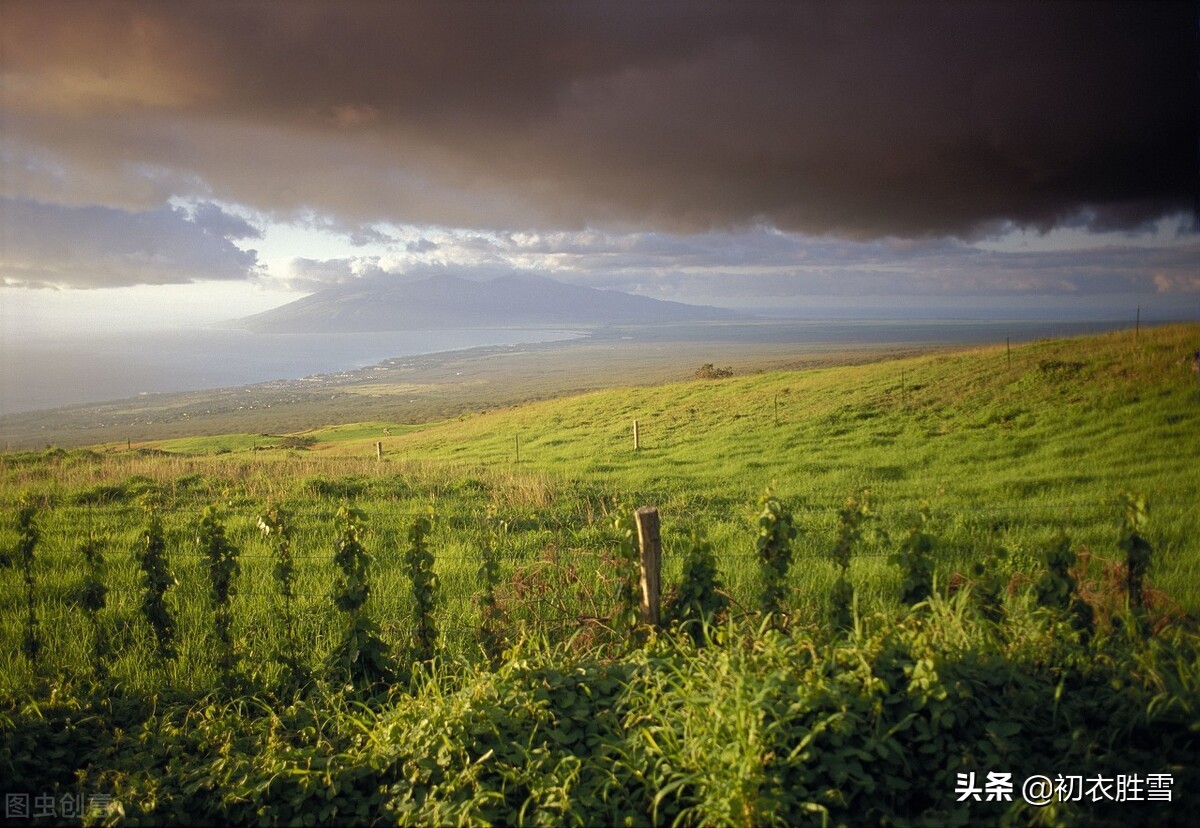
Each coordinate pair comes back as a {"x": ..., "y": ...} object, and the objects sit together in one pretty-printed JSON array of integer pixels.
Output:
[{"x": 1009, "y": 449}]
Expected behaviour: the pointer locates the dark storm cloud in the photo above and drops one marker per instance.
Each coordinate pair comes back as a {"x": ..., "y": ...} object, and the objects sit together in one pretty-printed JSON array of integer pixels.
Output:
[
  {"x": 863, "y": 120},
  {"x": 217, "y": 223},
  {"x": 96, "y": 247},
  {"x": 363, "y": 236}
]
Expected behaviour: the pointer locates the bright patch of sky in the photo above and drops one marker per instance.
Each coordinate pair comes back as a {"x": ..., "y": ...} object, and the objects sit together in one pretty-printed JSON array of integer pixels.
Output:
[
  {"x": 34, "y": 314},
  {"x": 380, "y": 246}
]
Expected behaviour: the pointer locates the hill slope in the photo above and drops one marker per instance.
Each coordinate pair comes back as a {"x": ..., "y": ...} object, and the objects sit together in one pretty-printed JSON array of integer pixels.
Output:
[
  {"x": 1008, "y": 453},
  {"x": 1100, "y": 408},
  {"x": 447, "y": 302},
  {"x": 581, "y": 719}
]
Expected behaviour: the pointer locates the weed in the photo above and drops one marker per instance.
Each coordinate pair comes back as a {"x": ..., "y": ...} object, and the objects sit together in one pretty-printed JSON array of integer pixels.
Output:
[
  {"x": 915, "y": 559},
  {"x": 418, "y": 561},
  {"x": 628, "y": 575},
  {"x": 362, "y": 656},
  {"x": 156, "y": 580},
  {"x": 222, "y": 560},
  {"x": 699, "y": 601},
  {"x": 490, "y": 614},
  {"x": 92, "y": 598},
  {"x": 27, "y": 542},
  {"x": 1136, "y": 548},
  {"x": 852, "y": 519},
  {"x": 275, "y": 524},
  {"x": 1058, "y": 589},
  {"x": 776, "y": 531}
]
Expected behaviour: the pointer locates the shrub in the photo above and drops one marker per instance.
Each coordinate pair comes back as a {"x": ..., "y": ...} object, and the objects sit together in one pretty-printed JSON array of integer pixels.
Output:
[
  {"x": 1057, "y": 589},
  {"x": 708, "y": 372},
  {"x": 344, "y": 488},
  {"x": 915, "y": 559},
  {"x": 699, "y": 601},
  {"x": 299, "y": 442}
]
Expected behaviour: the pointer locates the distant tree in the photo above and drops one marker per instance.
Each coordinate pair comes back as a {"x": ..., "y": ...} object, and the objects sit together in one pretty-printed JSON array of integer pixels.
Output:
[{"x": 707, "y": 371}]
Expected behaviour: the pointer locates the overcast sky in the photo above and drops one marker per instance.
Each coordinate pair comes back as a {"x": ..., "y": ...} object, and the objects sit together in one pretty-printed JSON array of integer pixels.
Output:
[{"x": 185, "y": 162}]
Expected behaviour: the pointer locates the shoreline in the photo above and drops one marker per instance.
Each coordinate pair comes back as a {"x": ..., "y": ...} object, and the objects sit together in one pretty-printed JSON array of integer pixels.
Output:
[{"x": 441, "y": 384}]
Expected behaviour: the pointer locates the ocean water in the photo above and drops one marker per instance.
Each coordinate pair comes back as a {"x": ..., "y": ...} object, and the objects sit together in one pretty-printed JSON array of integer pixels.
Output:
[{"x": 39, "y": 372}]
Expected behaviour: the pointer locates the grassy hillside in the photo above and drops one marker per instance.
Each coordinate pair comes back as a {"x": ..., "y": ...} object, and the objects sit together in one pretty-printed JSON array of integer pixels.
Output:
[
  {"x": 1063, "y": 420},
  {"x": 1009, "y": 447},
  {"x": 441, "y": 385},
  {"x": 542, "y": 702}
]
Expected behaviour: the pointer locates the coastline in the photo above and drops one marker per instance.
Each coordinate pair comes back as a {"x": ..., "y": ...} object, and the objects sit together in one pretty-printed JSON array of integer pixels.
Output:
[{"x": 442, "y": 384}]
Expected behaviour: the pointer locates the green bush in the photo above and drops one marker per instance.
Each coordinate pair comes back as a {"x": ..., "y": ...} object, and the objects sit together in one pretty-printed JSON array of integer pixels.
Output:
[
  {"x": 699, "y": 601},
  {"x": 708, "y": 372}
]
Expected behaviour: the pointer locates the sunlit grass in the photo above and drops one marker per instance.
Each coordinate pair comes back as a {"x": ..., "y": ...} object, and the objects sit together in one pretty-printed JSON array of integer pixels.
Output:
[
  {"x": 1007, "y": 456},
  {"x": 580, "y": 721}
]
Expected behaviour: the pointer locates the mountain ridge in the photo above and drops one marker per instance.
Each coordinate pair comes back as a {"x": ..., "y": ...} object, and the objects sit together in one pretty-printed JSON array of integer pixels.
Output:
[{"x": 448, "y": 301}]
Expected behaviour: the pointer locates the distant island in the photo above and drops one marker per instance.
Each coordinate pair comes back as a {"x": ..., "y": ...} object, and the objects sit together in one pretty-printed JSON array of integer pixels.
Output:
[{"x": 446, "y": 301}]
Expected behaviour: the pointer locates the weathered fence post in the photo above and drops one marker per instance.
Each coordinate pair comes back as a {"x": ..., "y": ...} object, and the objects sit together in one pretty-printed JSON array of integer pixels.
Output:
[
  {"x": 636, "y": 443},
  {"x": 650, "y": 546},
  {"x": 379, "y": 450},
  {"x": 1197, "y": 366}
]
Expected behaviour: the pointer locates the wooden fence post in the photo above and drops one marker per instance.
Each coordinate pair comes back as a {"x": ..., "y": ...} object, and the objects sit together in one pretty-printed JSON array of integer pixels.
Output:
[
  {"x": 650, "y": 546},
  {"x": 379, "y": 451},
  {"x": 1197, "y": 367}
]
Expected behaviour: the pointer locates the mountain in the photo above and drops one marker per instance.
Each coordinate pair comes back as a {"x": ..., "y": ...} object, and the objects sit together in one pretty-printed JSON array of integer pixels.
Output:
[{"x": 446, "y": 301}]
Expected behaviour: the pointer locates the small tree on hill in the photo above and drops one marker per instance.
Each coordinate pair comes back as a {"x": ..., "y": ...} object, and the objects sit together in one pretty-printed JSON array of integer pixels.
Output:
[{"x": 708, "y": 372}]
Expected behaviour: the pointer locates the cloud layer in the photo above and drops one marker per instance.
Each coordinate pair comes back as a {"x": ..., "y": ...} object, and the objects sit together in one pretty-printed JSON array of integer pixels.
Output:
[
  {"x": 864, "y": 120},
  {"x": 51, "y": 246},
  {"x": 763, "y": 267}
]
